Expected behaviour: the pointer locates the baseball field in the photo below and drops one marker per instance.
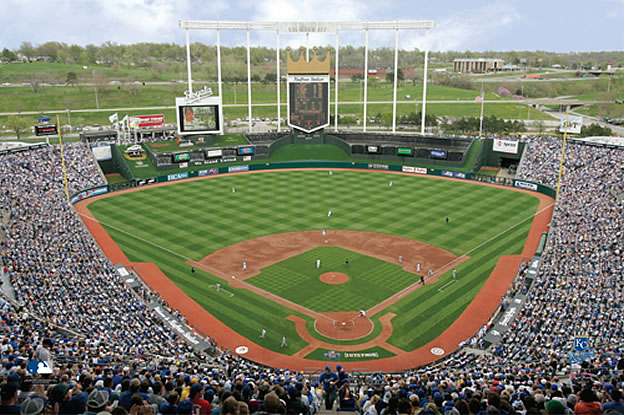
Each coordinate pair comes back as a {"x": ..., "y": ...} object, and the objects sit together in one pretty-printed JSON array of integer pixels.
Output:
[{"x": 307, "y": 285}]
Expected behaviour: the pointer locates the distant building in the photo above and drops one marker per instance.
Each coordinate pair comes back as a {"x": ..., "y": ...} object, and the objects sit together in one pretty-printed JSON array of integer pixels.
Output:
[{"x": 479, "y": 65}]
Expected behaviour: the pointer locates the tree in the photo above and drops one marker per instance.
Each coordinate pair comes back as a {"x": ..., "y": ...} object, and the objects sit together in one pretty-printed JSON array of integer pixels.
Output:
[
  {"x": 270, "y": 77},
  {"x": 71, "y": 78},
  {"x": 37, "y": 80},
  {"x": 26, "y": 49},
  {"x": 8, "y": 56},
  {"x": 357, "y": 76},
  {"x": 390, "y": 76},
  {"x": 17, "y": 124}
]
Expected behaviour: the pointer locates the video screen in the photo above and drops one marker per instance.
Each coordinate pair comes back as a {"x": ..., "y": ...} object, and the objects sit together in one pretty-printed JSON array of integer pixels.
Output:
[{"x": 197, "y": 118}]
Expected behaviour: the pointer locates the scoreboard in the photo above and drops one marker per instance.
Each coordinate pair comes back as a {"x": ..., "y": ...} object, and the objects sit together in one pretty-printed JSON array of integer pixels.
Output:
[{"x": 308, "y": 102}]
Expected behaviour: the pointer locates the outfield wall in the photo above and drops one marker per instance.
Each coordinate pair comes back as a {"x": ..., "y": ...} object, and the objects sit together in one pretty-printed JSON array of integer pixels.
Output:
[{"x": 212, "y": 171}]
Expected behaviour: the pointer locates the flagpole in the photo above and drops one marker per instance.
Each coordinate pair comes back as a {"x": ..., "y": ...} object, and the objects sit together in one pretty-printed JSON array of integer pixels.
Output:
[
  {"x": 482, "y": 109},
  {"x": 566, "y": 126},
  {"x": 63, "y": 160}
]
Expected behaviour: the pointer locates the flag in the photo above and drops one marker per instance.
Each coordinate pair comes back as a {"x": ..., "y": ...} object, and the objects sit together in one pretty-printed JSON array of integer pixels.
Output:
[
  {"x": 124, "y": 121},
  {"x": 479, "y": 98},
  {"x": 113, "y": 118}
]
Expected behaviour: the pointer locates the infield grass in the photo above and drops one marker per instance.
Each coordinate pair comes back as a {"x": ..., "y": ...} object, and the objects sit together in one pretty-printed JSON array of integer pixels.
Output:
[{"x": 171, "y": 224}]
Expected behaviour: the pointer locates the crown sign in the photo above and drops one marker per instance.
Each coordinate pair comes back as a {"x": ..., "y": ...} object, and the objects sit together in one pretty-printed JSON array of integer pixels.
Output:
[{"x": 314, "y": 66}]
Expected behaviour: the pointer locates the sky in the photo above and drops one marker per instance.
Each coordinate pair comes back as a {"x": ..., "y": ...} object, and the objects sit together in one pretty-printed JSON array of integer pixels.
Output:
[{"x": 479, "y": 25}]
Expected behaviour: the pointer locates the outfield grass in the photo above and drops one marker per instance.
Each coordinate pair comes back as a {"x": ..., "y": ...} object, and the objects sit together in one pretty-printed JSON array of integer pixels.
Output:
[
  {"x": 297, "y": 279},
  {"x": 188, "y": 220}
]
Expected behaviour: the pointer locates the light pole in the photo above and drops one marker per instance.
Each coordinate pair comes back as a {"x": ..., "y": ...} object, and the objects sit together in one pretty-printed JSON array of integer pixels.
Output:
[{"x": 95, "y": 89}]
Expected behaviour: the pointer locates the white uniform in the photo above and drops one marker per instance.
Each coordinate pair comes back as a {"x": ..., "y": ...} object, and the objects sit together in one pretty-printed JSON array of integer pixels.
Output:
[
  {"x": 318, "y": 263},
  {"x": 262, "y": 334},
  {"x": 233, "y": 189},
  {"x": 218, "y": 287},
  {"x": 329, "y": 213},
  {"x": 418, "y": 267},
  {"x": 284, "y": 342},
  {"x": 401, "y": 260},
  {"x": 454, "y": 274},
  {"x": 363, "y": 314},
  {"x": 323, "y": 232},
  {"x": 330, "y": 172},
  {"x": 244, "y": 265},
  {"x": 390, "y": 184}
]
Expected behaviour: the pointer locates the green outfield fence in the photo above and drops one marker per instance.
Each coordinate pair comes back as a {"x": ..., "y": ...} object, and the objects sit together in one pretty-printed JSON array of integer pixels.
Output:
[{"x": 371, "y": 166}]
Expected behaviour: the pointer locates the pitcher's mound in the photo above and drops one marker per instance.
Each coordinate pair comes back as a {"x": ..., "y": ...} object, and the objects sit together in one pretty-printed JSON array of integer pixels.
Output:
[{"x": 333, "y": 278}]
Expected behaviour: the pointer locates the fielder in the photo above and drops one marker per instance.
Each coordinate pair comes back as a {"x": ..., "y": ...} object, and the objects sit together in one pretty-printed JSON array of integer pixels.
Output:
[
  {"x": 233, "y": 189},
  {"x": 418, "y": 267},
  {"x": 329, "y": 213},
  {"x": 262, "y": 333},
  {"x": 218, "y": 287},
  {"x": 454, "y": 274},
  {"x": 363, "y": 314},
  {"x": 284, "y": 342},
  {"x": 390, "y": 184},
  {"x": 330, "y": 172},
  {"x": 244, "y": 266},
  {"x": 318, "y": 263},
  {"x": 192, "y": 272},
  {"x": 323, "y": 233},
  {"x": 401, "y": 260}
]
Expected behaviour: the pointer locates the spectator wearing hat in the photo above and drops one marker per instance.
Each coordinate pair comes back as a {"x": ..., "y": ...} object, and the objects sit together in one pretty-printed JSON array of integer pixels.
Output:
[
  {"x": 294, "y": 403},
  {"x": 555, "y": 407},
  {"x": 33, "y": 405},
  {"x": 347, "y": 399},
  {"x": 98, "y": 401},
  {"x": 59, "y": 397},
  {"x": 196, "y": 396},
  {"x": 588, "y": 404},
  {"x": 329, "y": 379}
]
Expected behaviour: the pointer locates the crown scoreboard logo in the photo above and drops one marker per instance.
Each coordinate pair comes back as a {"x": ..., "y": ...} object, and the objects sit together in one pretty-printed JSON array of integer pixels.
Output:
[{"x": 308, "y": 86}]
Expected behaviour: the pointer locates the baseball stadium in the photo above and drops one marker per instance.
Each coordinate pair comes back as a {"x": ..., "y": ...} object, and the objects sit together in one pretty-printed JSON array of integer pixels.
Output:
[{"x": 195, "y": 266}]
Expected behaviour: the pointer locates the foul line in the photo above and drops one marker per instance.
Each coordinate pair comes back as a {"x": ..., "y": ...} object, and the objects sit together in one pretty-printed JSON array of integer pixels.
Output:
[
  {"x": 224, "y": 276},
  {"x": 440, "y": 289},
  {"x": 221, "y": 289}
]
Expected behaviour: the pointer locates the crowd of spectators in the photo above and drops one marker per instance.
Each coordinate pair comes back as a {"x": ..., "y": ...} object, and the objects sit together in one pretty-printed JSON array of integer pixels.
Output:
[{"x": 109, "y": 353}]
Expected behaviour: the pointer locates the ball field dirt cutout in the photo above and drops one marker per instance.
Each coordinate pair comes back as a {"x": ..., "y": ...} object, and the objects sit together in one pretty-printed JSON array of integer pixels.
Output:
[{"x": 333, "y": 278}]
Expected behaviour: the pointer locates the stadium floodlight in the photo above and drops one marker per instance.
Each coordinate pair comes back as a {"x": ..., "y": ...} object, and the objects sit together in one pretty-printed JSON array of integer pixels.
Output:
[{"x": 307, "y": 28}]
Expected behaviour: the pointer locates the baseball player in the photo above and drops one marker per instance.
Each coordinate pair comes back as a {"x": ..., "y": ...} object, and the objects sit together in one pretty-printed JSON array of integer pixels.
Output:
[
  {"x": 329, "y": 213},
  {"x": 284, "y": 342},
  {"x": 454, "y": 273},
  {"x": 447, "y": 220},
  {"x": 192, "y": 272},
  {"x": 390, "y": 184},
  {"x": 347, "y": 262},
  {"x": 262, "y": 333},
  {"x": 363, "y": 314},
  {"x": 318, "y": 263},
  {"x": 430, "y": 272},
  {"x": 323, "y": 233},
  {"x": 330, "y": 172},
  {"x": 233, "y": 189},
  {"x": 422, "y": 280},
  {"x": 401, "y": 260},
  {"x": 217, "y": 287},
  {"x": 418, "y": 267},
  {"x": 244, "y": 266}
]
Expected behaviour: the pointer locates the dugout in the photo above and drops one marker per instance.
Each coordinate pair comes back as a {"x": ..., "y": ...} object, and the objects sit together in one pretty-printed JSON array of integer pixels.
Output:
[{"x": 502, "y": 153}]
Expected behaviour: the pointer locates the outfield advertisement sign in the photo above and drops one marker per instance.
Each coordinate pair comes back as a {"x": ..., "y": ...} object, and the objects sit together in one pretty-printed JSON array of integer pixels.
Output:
[
  {"x": 144, "y": 182},
  {"x": 46, "y": 129},
  {"x": 208, "y": 172},
  {"x": 142, "y": 121},
  {"x": 377, "y": 166},
  {"x": 373, "y": 149},
  {"x": 404, "y": 151},
  {"x": 410, "y": 169},
  {"x": 438, "y": 154},
  {"x": 86, "y": 194},
  {"x": 234, "y": 169},
  {"x": 525, "y": 185},
  {"x": 506, "y": 146},
  {"x": 246, "y": 151},
  {"x": 177, "y": 176},
  {"x": 213, "y": 153},
  {"x": 182, "y": 157},
  {"x": 456, "y": 174},
  {"x": 574, "y": 125}
]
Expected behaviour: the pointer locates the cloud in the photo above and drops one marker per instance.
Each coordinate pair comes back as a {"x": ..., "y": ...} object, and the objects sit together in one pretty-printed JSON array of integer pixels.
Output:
[{"x": 468, "y": 29}]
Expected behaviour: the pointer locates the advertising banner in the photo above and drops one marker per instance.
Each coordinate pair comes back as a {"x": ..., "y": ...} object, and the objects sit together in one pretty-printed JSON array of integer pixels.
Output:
[
  {"x": 46, "y": 129},
  {"x": 182, "y": 157},
  {"x": 456, "y": 174},
  {"x": 404, "y": 151},
  {"x": 213, "y": 153},
  {"x": 246, "y": 151},
  {"x": 88, "y": 193},
  {"x": 410, "y": 169},
  {"x": 102, "y": 152},
  {"x": 438, "y": 154},
  {"x": 505, "y": 146},
  {"x": 143, "y": 182},
  {"x": 141, "y": 121},
  {"x": 208, "y": 172},
  {"x": 574, "y": 126},
  {"x": 372, "y": 149},
  {"x": 233, "y": 169},
  {"x": 177, "y": 176},
  {"x": 377, "y": 166},
  {"x": 525, "y": 185}
]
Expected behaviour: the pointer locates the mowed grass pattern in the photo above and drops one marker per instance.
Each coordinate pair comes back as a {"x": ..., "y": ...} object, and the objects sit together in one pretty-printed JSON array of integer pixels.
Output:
[
  {"x": 297, "y": 280},
  {"x": 170, "y": 224}
]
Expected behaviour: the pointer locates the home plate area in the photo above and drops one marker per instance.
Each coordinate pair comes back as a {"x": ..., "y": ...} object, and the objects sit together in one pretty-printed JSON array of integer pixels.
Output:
[{"x": 344, "y": 325}]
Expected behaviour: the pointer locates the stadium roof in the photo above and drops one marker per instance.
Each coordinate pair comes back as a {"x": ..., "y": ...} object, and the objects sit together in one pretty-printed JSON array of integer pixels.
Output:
[{"x": 306, "y": 27}]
